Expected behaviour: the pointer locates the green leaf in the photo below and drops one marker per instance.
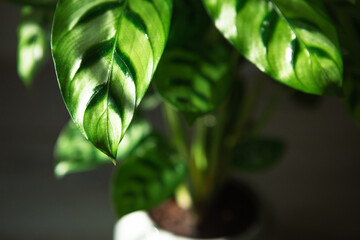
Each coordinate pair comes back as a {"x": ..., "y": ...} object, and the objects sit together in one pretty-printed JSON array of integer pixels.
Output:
[
  {"x": 36, "y": 3},
  {"x": 291, "y": 40},
  {"x": 257, "y": 154},
  {"x": 73, "y": 153},
  {"x": 138, "y": 132},
  {"x": 33, "y": 45},
  {"x": 147, "y": 179},
  {"x": 191, "y": 82},
  {"x": 105, "y": 54},
  {"x": 188, "y": 23}
]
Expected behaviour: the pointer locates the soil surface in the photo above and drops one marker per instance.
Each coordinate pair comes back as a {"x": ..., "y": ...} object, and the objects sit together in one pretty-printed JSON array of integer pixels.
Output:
[{"x": 232, "y": 212}]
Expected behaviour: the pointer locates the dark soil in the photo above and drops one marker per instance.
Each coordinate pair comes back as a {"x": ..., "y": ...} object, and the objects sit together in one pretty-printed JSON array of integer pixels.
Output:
[{"x": 232, "y": 212}]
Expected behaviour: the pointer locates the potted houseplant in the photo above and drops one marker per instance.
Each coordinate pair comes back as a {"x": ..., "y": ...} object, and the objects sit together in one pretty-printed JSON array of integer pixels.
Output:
[{"x": 106, "y": 53}]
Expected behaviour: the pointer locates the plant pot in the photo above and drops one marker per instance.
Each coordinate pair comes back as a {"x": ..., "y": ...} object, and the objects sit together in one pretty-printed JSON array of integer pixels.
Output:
[{"x": 141, "y": 226}]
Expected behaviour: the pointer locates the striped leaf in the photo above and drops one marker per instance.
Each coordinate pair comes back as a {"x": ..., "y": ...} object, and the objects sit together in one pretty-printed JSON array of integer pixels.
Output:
[
  {"x": 73, "y": 153},
  {"x": 257, "y": 154},
  {"x": 105, "y": 54},
  {"x": 192, "y": 83},
  {"x": 292, "y": 40},
  {"x": 147, "y": 179},
  {"x": 33, "y": 42}
]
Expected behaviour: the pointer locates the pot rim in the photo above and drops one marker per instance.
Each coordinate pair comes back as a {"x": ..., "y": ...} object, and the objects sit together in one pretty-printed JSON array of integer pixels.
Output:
[{"x": 139, "y": 226}]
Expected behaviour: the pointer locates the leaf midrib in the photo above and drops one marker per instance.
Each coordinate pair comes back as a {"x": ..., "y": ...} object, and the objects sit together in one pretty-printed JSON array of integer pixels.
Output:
[
  {"x": 111, "y": 67},
  {"x": 278, "y": 10}
]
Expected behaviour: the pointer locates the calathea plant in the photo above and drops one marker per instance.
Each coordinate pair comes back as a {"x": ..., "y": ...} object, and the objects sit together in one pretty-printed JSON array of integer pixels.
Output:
[{"x": 107, "y": 52}]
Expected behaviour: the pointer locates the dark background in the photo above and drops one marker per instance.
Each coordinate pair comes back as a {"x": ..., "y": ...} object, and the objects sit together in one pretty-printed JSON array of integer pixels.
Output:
[{"x": 314, "y": 191}]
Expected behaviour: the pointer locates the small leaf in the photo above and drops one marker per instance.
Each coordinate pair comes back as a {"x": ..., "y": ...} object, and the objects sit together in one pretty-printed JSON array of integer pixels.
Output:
[
  {"x": 147, "y": 179},
  {"x": 73, "y": 153},
  {"x": 257, "y": 154},
  {"x": 192, "y": 83},
  {"x": 33, "y": 46},
  {"x": 105, "y": 54},
  {"x": 291, "y": 40}
]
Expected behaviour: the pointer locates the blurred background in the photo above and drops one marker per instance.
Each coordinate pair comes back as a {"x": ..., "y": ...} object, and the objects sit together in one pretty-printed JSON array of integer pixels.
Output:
[{"x": 314, "y": 192}]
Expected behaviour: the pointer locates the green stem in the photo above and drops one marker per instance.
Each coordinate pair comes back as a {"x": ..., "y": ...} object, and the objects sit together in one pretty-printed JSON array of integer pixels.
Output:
[
  {"x": 175, "y": 127},
  {"x": 217, "y": 154},
  {"x": 198, "y": 164},
  {"x": 245, "y": 111},
  {"x": 196, "y": 157}
]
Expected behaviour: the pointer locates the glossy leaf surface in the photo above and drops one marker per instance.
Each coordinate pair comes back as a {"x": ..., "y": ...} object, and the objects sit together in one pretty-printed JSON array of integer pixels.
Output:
[
  {"x": 192, "y": 83},
  {"x": 33, "y": 42},
  {"x": 73, "y": 153},
  {"x": 105, "y": 54},
  {"x": 291, "y": 40},
  {"x": 257, "y": 154},
  {"x": 147, "y": 179}
]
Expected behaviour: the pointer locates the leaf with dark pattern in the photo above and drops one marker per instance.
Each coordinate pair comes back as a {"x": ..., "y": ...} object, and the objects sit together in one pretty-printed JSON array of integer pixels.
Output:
[
  {"x": 105, "y": 53},
  {"x": 292, "y": 40},
  {"x": 193, "y": 83},
  {"x": 148, "y": 178}
]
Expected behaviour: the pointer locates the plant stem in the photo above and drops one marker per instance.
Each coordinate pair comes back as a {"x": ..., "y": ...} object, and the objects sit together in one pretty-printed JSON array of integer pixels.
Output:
[
  {"x": 196, "y": 158},
  {"x": 244, "y": 111},
  {"x": 177, "y": 135}
]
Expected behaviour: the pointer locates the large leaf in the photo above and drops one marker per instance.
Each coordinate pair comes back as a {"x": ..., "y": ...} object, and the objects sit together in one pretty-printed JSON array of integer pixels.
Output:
[
  {"x": 73, "y": 153},
  {"x": 292, "y": 40},
  {"x": 105, "y": 54},
  {"x": 34, "y": 38},
  {"x": 257, "y": 154},
  {"x": 147, "y": 179},
  {"x": 191, "y": 82}
]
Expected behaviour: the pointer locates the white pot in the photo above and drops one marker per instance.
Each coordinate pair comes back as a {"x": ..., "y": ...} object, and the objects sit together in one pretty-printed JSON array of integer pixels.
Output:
[{"x": 139, "y": 226}]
